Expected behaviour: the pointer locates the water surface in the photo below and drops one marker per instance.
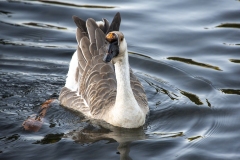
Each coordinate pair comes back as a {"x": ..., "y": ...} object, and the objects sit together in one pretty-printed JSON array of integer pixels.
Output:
[{"x": 185, "y": 53}]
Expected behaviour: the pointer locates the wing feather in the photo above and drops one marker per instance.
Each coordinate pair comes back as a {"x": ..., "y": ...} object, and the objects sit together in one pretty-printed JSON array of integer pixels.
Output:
[
  {"x": 100, "y": 38},
  {"x": 106, "y": 25},
  {"x": 138, "y": 92},
  {"x": 71, "y": 100},
  {"x": 84, "y": 45},
  {"x": 91, "y": 27},
  {"x": 81, "y": 24},
  {"x": 93, "y": 48},
  {"x": 81, "y": 60}
]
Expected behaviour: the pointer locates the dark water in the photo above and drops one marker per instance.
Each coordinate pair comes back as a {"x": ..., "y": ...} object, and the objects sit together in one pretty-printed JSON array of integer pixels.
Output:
[{"x": 186, "y": 54}]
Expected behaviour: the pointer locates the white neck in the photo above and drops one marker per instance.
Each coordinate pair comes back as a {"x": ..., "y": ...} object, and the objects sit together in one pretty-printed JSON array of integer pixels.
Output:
[
  {"x": 126, "y": 111},
  {"x": 124, "y": 90}
]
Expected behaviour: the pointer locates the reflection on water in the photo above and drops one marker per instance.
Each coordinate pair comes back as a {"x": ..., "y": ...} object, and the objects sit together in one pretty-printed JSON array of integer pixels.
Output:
[
  {"x": 192, "y": 62},
  {"x": 229, "y": 25},
  {"x": 231, "y": 91},
  {"x": 98, "y": 130},
  {"x": 124, "y": 149},
  {"x": 50, "y": 138},
  {"x": 169, "y": 135},
  {"x": 231, "y": 44},
  {"x": 234, "y": 60},
  {"x": 5, "y": 12},
  {"x": 192, "y": 97},
  {"x": 10, "y": 139},
  {"x": 209, "y": 104},
  {"x": 93, "y": 133},
  {"x": 194, "y": 138}
]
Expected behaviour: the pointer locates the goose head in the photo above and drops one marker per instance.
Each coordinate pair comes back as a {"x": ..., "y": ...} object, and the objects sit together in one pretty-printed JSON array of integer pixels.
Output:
[{"x": 117, "y": 47}]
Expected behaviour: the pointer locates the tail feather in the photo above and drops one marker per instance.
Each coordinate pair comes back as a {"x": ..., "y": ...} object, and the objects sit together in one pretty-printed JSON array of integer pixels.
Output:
[{"x": 115, "y": 25}]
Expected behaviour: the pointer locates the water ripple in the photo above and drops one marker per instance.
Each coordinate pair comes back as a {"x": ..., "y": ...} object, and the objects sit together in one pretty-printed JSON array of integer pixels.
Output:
[
  {"x": 33, "y": 44},
  {"x": 64, "y": 4},
  {"x": 76, "y": 5},
  {"x": 42, "y": 25}
]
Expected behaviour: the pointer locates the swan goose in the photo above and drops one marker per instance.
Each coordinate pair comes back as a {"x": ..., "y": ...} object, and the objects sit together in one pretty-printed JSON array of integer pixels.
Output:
[{"x": 100, "y": 83}]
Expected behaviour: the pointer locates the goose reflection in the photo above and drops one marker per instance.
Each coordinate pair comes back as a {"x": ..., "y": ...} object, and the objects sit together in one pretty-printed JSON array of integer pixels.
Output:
[{"x": 99, "y": 130}]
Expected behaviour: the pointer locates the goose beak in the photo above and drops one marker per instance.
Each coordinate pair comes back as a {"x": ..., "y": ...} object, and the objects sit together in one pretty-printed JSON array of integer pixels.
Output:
[{"x": 113, "y": 48}]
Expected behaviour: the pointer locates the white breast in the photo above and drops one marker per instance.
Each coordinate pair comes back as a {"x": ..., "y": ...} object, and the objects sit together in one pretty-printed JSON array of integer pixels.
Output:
[{"x": 71, "y": 83}]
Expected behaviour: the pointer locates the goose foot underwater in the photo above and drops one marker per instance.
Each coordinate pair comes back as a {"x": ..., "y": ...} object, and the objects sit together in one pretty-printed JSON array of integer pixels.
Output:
[{"x": 34, "y": 123}]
